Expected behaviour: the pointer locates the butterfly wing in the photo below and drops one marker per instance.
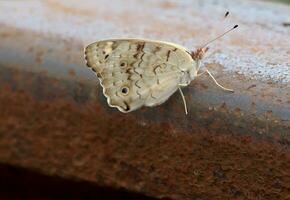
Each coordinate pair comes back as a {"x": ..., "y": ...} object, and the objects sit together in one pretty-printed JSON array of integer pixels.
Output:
[{"x": 136, "y": 72}]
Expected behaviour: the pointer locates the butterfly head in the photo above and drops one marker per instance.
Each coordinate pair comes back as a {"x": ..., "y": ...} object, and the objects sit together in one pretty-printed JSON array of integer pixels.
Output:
[{"x": 198, "y": 54}]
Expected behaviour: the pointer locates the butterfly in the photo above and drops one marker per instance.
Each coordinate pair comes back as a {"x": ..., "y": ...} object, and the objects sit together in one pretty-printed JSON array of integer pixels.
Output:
[{"x": 141, "y": 72}]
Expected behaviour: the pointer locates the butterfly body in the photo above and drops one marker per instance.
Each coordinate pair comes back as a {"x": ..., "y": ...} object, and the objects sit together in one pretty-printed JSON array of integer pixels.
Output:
[{"x": 139, "y": 72}]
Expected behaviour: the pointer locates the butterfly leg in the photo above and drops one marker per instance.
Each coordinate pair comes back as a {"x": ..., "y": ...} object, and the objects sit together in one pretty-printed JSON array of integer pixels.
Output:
[
  {"x": 200, "y": 74},
  {"x": 184, "y": 101},
  {"x": 224, "y": 88}
]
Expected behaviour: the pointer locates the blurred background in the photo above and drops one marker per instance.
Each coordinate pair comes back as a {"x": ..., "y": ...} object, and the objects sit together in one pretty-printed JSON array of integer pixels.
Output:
[{"x": 60, "y": 140}]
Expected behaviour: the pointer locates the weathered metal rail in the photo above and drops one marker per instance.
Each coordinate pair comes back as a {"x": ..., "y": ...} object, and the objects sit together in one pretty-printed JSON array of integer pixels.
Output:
[{"x": 54, "y": 118}]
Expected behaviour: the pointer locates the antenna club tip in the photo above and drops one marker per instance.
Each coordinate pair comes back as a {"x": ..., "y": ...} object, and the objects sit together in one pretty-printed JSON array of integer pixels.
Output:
[
  {"x": 236, "y": 26},
  {"x": 227, "y": 13}
]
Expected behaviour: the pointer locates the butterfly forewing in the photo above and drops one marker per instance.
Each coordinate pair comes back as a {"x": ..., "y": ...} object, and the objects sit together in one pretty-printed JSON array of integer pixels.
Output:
[{"x": 136, "y": 72}]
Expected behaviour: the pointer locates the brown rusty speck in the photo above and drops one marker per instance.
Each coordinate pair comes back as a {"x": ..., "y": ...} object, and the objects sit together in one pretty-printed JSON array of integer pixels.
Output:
[
  {"x": 62, "y": 8},
  {"x": 39, "y": 57}
]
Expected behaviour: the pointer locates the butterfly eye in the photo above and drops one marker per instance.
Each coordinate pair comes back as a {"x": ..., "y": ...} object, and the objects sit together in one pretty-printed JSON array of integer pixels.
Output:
[{"x": 125, "y": 90}]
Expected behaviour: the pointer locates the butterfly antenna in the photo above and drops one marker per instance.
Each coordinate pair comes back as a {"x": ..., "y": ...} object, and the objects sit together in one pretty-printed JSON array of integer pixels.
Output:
[
  {"x": 218, "y": 37},
  {"x": 227, "y": 13},
  {"x": 198, "y": 54}
]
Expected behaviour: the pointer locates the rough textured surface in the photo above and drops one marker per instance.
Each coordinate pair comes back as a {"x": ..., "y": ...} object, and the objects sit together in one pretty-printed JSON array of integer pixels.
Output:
[
  {"x": 55, "y": 120},
  {"x": 72, "y": 136},
  {"x": 261, "y": 41}
]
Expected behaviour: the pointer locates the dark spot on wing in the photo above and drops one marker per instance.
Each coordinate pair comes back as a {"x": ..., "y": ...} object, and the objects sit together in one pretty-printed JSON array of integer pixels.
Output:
[
  {"x": 136, "y": 55},
  {"x": 136, "y": 71},
  {"x": 99, "y": 75},
  {"x": 127, "y": 108},
  {"x": 167, "y": 55},
  {"x": 157, "y": 49},
  {"x": 140, "y": 47},
  {"x": 125, "y": 90},
  {"x": 137, "y": 84},
  {"x": 141, "y": 60},
  {"x": 155, "y": 68}
]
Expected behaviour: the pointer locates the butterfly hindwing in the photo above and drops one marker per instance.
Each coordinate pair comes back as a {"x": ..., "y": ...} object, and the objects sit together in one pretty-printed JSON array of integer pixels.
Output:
[{"x": 137, "y": 72}]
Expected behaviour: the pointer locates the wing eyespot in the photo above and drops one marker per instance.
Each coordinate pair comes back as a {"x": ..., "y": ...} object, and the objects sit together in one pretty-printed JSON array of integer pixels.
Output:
[
  {"x": 127, "y": 108},
  {"x": 123, "y": 64},
  {"x": 125, "y": 90}
]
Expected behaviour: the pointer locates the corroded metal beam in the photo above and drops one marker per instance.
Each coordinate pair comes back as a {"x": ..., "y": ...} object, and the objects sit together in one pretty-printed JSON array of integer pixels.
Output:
[{"x": 54, "y": 118}]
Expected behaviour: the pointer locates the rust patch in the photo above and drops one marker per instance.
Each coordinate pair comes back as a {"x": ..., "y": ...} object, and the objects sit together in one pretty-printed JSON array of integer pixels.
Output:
[
  {"x": 60, "y": 7},
  {"x": 39, "y": 57},
  {"x": 60, "y": 130},
  {"x": 167, "y": 5},
  {"x": 72, "y": 72}
]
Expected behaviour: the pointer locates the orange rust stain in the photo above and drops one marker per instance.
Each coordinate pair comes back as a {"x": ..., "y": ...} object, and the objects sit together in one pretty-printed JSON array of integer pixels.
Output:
[
  {"x": 223, "y": 108},
  {"x": 30, "y": 49},
  {"x": 167, "y": 5},
  {"x": 39, "y": 56},
  {"x": 60, "y": 7},
  {"x": 255, "y": 49},
  {"x": 9, "y": 32},
  {"x": 71, "y": 72},
  {"x": 4, "y": 35}
]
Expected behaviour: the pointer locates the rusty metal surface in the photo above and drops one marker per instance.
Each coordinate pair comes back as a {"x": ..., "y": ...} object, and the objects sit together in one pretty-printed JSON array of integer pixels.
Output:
[{"x": 54, "y": 118}]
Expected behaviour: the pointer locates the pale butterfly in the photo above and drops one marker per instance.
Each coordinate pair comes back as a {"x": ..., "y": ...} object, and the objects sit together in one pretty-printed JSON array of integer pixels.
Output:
[{"x": 141, "y": 72}]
